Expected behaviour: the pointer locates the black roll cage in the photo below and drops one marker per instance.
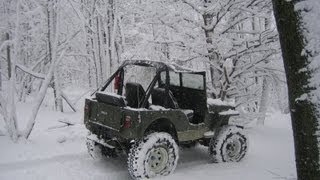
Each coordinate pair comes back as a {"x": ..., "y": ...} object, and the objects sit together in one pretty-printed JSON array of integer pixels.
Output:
[{"x": 160, "y": 67}]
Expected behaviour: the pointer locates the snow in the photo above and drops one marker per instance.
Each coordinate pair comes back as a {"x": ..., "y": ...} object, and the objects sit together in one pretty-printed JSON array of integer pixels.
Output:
[
  {"x": 228, "y": 65},
  {"x": 135, "y": 109},
  {"x": 177, "y": 68},
  {"x": 302, "y": 97},
  {"x": 157, "y": 108},
  {"x": 111, "y": 94},
  {"x": 229, "y": 112},
  {"x": 94, "y": 138},
  {"x": 159, "y": 64},
  {"x": 61, "y": 153},
  {"x": 209, "y": 134},
  {"x": 187, "y": 111},
  {"x": 219, "y": 102},
  {"x": 311, "y": 30}
]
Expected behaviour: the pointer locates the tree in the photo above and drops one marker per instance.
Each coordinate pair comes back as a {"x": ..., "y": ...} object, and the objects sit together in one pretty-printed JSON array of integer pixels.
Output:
[
  {"x": 45, "y": 67},
  {"x": 234, "y": 38},
  {"x": 300, "y": 50},
  {"x": 239, "y": 30}
]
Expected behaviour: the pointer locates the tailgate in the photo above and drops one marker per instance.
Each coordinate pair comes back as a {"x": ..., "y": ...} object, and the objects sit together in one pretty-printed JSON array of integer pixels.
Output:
[{"x": 105, "y": 115}]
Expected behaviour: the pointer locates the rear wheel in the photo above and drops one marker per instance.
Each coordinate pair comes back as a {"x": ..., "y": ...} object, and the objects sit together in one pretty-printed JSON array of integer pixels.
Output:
[
  {"x": 98, "y": 151},
  {"x": 229, "y": 145},
  {"x": 94, "y": 149},
  {"x": 154, "y": 155}
]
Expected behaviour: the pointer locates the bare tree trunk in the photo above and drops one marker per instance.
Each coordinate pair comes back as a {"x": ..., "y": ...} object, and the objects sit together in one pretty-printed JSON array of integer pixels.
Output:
[
  {"x": 121, "y": 44},
  {"x": 41, "y": 95},
  {"x": 11, "y": 111},
  {"x": 265, "y": 84},
  {"x": 56, "y": 74},
  {"x": 90, "y": 38},
  {"x": 89, "y": 73},
  {"x": 50, "y": 41},
  {"x": 304, "y": 112},
  {"x": 87, "y": 32},
  {"x": 12, "y": 116},
  {"x": 8, "y": 56},
  {"x": 94, "y": 60},
  {"x": 99, "y": 45},
  {"x": 39, "y": 101},
  {"x": 57, "y": 90},
  {"x": 113, "y": 37},
  {"x": 52, "y": 20},
  {"x": 263, "y": 105},
  {"x": 209, "y": 35},
  {"x": 212, "y": 55},
  {"x": 65, "y": 97},
  {"x": 0, "y": 77},
  {"x": 109, "y": 34}
]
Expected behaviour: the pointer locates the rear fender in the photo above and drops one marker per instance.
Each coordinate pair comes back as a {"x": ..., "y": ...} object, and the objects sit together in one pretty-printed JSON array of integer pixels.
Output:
[{"x": 162, "y": 125}]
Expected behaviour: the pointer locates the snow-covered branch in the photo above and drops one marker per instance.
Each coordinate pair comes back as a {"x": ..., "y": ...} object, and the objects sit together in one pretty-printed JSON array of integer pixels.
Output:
[
  {"x": 65, "y": 97},
  {"x": 245, "y": 32},
  {"x": 255, "y": 13},
  {"x": 41, "y": 95},
  {"x": 234, "y": 24},
  {"x": 30, "y": 71},
  {"x": 3, "y": 74},
  {"x": 193, "y": 6},
  {"x": 5, "y": 44}
]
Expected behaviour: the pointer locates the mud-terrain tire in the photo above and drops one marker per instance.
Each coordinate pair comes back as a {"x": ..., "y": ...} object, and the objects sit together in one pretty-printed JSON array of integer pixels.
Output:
[
  {"x": 94, "y": 149},
  {"x": 155, "y": 155},
  {"x": 229, "y": 145}
]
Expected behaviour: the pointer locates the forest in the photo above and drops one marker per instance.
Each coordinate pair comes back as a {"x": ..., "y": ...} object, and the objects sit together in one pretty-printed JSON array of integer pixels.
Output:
[
  {"x": 50, "y": 47},
  {"x": 56, "y": 53}
]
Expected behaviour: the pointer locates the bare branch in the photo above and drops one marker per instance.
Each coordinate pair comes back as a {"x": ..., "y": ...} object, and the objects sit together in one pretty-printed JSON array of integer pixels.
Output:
[
  {"x": 30, "y": 71},
  {"x": 65, "y": 121},
  {"x": 3, "y": 74},
  {"x": 234, "y": 23},
  {"x": 65, "y": 97},
  {"x": 244, "y": 32},
  {"x": 5, "y": 44},
  {"x": 194, "y": 7}
]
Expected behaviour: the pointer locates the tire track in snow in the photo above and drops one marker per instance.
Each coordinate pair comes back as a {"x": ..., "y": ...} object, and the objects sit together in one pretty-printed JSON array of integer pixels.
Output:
[{"x": 43, "y": 161}]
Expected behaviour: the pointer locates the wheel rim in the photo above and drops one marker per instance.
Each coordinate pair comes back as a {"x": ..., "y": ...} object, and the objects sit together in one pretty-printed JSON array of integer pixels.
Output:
[
  {"x": 233, "y": 148},
  {"x": 158, "y": 159}
]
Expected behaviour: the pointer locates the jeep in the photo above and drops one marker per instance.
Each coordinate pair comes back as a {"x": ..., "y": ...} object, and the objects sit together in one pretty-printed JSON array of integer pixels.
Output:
[{"x": 150, "y": 112}]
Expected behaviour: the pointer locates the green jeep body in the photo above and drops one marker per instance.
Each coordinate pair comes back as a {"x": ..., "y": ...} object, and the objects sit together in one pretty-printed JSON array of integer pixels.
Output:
[{"x": 179, "y": 108}]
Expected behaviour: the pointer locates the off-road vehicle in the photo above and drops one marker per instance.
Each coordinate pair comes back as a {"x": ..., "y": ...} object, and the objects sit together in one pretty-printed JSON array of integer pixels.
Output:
[{"x": 147, "y": 114}]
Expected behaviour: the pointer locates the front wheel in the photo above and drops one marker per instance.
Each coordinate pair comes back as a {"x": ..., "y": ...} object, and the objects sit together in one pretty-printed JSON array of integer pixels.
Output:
[
  {"x": 229, "y": 145},
  {"x": 154, "y": 155}
]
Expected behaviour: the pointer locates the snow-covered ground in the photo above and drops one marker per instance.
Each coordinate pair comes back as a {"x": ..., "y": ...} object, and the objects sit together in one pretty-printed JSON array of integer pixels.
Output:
[{"x": 60, "y": 153}]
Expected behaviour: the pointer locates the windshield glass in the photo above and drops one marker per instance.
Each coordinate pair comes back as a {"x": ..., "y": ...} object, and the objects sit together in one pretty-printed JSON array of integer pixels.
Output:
[
  {"x": 194, "y": 81},
  {"x": 139, "y": 74}
]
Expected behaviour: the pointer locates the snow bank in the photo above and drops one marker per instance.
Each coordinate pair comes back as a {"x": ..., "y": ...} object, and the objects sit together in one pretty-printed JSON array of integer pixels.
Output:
[{"x": 44, "y": 158}]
